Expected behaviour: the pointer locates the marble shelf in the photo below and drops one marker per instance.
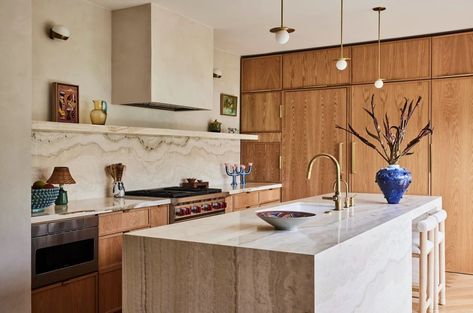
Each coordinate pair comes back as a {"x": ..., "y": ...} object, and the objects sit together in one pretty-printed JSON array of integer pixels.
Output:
[{"x": 43, "y": 126}]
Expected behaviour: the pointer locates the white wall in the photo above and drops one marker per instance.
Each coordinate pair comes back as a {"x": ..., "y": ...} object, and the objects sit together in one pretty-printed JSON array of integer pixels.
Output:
[
  {"x": 15, "y": 157},
  {"x": 85, "y": 60}
]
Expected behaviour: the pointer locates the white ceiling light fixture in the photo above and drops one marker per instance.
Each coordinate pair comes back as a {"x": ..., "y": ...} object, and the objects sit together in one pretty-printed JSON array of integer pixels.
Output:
[
  {"x": 282, "y": 32},
  {"x": 379, "y": 82},
  {"x": 59, "y": 32},
  {"x": 342, "y": 61}
]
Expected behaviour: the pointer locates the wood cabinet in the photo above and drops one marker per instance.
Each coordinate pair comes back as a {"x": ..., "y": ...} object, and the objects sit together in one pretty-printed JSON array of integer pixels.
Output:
[
  {"x": 452, "y": 166},
  {"x": 452, "y": 54},
  {"x": 265, "y": 156},
  {"x": 400, "y": 60},
  {"x": 389, "y": 99},
  {"x": 260, "y": 112},
  {"x": 261, "y": 73},
  {"x": 253, "y": 199},
  {"x": 314, "y": 68},
  {"x": 78, "y": 295},
  {"x": 111, "y": 229},
  {"x": 309, "y": 122}
]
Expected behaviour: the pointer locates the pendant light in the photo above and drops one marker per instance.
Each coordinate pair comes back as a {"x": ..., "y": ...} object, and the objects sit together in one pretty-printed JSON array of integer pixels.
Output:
[
  {"x": 342, "y": 61},
  {"x": 379, "y": 82},
  {"x": 282, "y": 32}
]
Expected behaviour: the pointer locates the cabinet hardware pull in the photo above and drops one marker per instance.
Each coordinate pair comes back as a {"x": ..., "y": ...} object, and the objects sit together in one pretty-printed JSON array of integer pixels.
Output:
[
  {"x": 281, "y": 111},
  {"x": 353, "y": 147},
  {"x": 340, "y": 156},
  {"x": 280, "y": 162}
]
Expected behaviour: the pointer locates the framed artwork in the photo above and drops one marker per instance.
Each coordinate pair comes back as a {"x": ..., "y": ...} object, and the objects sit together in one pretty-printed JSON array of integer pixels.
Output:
[
  {"x": 65, "y": 103},
  {"x": 228, "y": 105}
]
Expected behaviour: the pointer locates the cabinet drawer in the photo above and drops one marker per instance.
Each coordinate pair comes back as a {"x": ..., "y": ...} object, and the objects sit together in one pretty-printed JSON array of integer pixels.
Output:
[
  {"x": 135, "y": 219},
  {"x": 110, "y": 223},
  {"x": 245, "y": 200},
  {"x": 270, "y": 195},
  {"x": 110, "y": 251},
  {"x": 159, "y": 215}
]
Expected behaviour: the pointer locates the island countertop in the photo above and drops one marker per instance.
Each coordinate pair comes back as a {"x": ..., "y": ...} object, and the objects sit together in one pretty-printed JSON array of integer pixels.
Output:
[{"x": 244, "y": 229}]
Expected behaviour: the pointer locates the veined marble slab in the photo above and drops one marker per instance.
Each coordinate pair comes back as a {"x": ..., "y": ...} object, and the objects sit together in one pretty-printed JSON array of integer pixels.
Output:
[
  {"x": 355, "y": 261},
  {"x": 95, "y": 206},
  {"x": 150, "y": 161}
]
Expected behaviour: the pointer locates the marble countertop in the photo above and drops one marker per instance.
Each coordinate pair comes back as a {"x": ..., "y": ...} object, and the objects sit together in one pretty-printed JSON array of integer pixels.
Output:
[
  {"x": 249, "y": 187},
  {"x": 245, "y": 229},
  {"x": 95, "y": 206}
]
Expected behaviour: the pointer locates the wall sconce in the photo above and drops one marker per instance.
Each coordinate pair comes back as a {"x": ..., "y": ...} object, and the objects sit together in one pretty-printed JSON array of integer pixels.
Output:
[
  {"x": 59, "y": 32},
  {"x": 217, "y": 73}
]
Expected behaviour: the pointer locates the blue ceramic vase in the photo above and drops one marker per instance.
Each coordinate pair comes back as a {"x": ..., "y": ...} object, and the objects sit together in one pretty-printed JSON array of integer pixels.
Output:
[{"x": 393, "y": 181}]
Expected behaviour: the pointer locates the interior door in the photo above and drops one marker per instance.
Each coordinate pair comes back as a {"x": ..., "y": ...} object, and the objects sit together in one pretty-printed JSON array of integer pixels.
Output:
[
  {"x": 309, "y": 121},
  {"x": 365, "y": 161},
  {"x": 452, "y": 166}
]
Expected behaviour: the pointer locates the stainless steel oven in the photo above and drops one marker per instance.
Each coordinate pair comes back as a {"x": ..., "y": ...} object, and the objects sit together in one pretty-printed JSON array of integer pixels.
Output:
[{"x": 62, "y": 250}]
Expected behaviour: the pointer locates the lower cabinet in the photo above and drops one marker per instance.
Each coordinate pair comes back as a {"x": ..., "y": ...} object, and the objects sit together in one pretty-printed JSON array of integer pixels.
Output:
[
  {"x": 110, "y": 290},
  {"x": 77, "y": 295},
  {"x": 247, "y": 200}
]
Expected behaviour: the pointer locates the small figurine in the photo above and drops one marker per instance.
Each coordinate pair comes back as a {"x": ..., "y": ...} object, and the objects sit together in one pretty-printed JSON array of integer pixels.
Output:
[
  {"x": 233, "y": 173},
  {"x": 244, "y": 173}
]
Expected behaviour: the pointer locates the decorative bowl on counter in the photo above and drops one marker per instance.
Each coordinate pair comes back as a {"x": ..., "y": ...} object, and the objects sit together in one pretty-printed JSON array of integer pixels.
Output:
[
  {"x": 285, "y": 220},
  {"x": 42, "y": 198}
]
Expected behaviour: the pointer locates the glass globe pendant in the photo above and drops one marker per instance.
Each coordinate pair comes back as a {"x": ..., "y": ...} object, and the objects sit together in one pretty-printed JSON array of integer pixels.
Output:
[
  {"x": 282, "y": 32},
  {"x": 342, "y": 63},
  {"x": 379, "y": 83}
]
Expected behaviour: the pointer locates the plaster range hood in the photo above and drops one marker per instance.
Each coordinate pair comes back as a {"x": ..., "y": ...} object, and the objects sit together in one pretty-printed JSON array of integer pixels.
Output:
[{"x": 161, "y": 60}]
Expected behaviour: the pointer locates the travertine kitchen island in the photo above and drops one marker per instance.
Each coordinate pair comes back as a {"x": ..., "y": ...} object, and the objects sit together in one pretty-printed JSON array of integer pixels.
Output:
[{"x": 358, "y": 260}]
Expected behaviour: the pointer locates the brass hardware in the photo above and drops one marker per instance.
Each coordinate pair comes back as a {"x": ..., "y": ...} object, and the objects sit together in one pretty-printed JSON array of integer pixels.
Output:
[
  {"x": 282, "y": 27},
  {"x": 352, "y": 159},
  {"x": 379, "y": 10},
  {"x": 349, "y": 200},
  {"x": 341, "y": 34},
  {"x": 280, "y": 162},
  {"x": 340, "y": 155},
  {"x": 336, "y": 197},
  {"x": 281, "y": 110}
]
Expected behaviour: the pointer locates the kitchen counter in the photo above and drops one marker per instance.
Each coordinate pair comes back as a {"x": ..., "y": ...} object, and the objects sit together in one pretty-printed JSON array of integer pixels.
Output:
[
  {"x": 249, "y": 187},
  {"x": 95, "y": 206},
  {"x": 357, "y": 260}
]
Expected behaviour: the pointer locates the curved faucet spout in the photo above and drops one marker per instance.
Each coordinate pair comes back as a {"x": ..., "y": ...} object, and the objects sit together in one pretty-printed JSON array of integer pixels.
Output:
[{"x": 336, "y": 197}]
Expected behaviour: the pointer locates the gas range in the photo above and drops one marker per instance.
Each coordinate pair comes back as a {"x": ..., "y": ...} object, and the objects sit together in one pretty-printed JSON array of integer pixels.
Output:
[{"x": 187, "y": 203}]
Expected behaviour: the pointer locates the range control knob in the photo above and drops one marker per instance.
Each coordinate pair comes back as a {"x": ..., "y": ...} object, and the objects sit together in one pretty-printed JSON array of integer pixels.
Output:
[{"x": 224, "y": 205}]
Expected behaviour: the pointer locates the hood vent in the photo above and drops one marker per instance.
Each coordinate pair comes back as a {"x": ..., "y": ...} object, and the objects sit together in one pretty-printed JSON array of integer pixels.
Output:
[{"x": 161, "y": 60}]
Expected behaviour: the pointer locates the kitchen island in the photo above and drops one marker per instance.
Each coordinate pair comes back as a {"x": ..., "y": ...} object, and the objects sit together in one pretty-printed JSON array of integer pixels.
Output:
[{"x": 356, "y": 260}]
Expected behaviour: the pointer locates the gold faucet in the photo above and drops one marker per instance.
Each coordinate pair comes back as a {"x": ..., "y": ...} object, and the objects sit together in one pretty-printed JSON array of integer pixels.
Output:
[
  {"x": 336, "y": 197},
  {"x": 349, "y": 200}
]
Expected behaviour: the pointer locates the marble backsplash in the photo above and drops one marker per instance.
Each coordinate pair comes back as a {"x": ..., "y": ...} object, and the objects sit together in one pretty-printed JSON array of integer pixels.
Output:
[{"x": 150, "y": 161}]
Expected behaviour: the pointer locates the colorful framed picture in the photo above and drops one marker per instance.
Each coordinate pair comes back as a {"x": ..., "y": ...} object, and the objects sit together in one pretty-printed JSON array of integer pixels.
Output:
[
  {"x": 228, "y": 105},
  {"x": 65, "y": 103}
]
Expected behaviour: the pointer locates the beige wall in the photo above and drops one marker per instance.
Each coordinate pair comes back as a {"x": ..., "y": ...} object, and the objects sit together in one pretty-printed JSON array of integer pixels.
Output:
[
  {"x": 85, "y": 60},
  {"x": 15, "y": 159}
]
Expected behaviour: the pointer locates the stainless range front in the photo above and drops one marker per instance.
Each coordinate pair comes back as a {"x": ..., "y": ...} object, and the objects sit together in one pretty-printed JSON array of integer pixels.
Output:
[{"x": 188, "y": 203}]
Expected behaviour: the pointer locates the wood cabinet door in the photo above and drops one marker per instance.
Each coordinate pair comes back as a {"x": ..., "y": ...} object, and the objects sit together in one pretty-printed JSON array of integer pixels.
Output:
[
  {"x": 261, "y": 73},
  {"x": 452, "y": 54},
  {"x": 82, "y": 294},
  {"x": 265, "y": 156},
  {"x": 400, "y": 60},
  {"x": 366, "y": 162},
  {"x": 452, "y": 166},
  {"x": 159, "y": 215},
  {"x": 269, "y": 196},
  {"x": 50, "y": 299},
  {"x": 245, "y": 200},
  {"x": 260, "y": 112},
  {"x": 309, "y": 122},
  {"x": 110, "y": 291},
  {"x": 110, "y": 251},
  {"x": 314, "y": 68}
]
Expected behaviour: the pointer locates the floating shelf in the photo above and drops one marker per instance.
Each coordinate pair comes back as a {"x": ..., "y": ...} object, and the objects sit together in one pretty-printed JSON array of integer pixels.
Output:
[{"x": 137, "y": 131}]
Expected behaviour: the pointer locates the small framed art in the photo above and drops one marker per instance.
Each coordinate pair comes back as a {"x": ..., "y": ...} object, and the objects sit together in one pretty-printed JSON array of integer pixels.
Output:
[
  {"x": 228, "y": 105},
  {"x": 65, "y": 103}
]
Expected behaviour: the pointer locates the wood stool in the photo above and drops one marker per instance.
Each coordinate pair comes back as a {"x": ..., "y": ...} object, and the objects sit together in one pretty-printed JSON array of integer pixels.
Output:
[
  {"x": 423, "y": 249},
  {"x": 439, "y": 264}
]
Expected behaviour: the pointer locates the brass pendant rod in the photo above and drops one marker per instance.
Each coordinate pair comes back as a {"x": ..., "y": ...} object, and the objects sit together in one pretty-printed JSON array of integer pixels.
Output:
[
  {"x": 341, "y": 29},
  {"x": 282, "y": 13},
  {"x": 379, "y": 44}
]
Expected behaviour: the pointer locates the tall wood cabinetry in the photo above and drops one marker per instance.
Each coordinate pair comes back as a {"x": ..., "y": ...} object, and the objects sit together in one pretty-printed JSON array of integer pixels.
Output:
[{"x": 314, "y": 97}]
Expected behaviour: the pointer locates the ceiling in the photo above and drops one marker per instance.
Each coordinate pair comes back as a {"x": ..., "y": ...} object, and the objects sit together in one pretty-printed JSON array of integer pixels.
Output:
[{"x": 241, "y": 26}]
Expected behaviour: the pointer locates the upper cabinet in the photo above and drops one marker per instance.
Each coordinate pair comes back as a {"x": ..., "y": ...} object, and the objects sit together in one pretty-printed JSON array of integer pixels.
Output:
[
  {"x": 260, "y": 112},
  {"x": 400, "y": 60},
  {"x": 314, "y": 68},
  {"x": 452, "y": 54},
  {"x": 261, "y": 73}
]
